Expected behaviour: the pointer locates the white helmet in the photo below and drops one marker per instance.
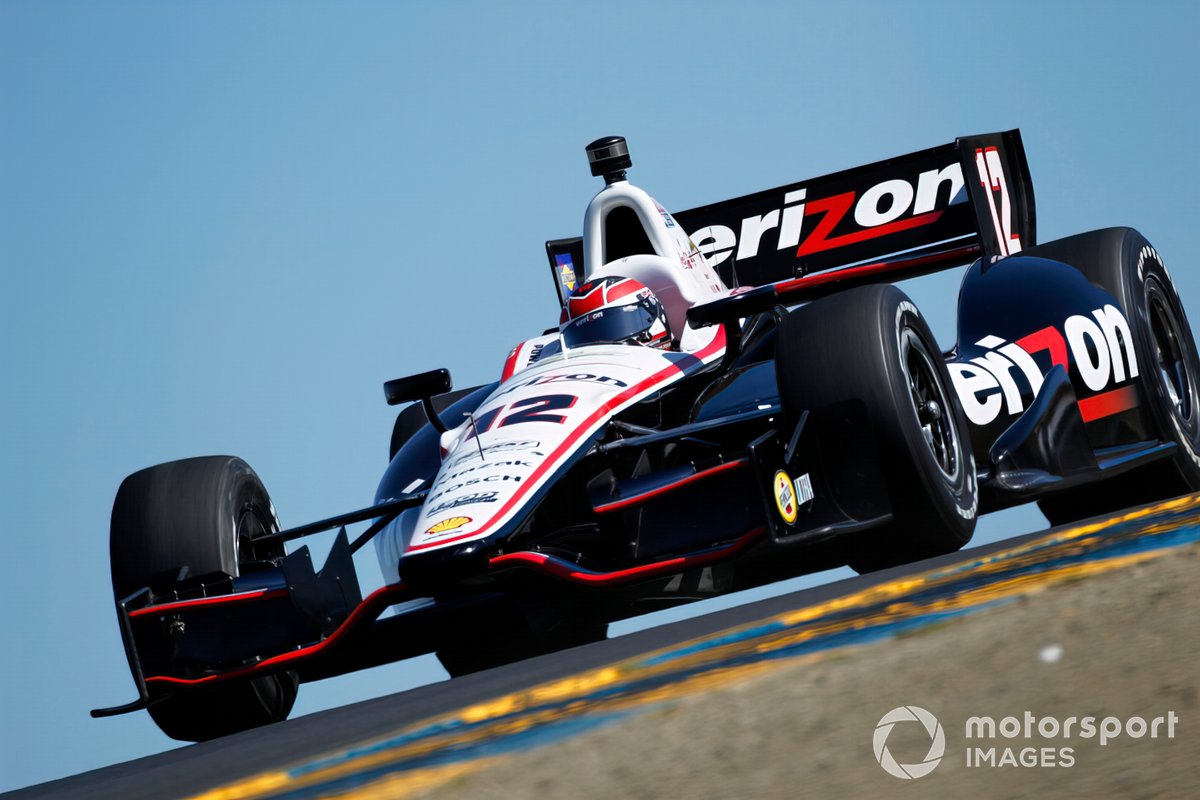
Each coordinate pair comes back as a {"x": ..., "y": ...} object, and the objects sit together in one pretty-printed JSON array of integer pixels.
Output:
[{"x": 615, "y": 310}]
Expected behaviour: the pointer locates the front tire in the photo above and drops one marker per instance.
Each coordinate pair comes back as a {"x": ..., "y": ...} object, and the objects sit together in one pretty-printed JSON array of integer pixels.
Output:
[
  {"x": 871, "y": 345},
  {"x": 202, "y": 514},
  {"x": 1123, "y": 263}
]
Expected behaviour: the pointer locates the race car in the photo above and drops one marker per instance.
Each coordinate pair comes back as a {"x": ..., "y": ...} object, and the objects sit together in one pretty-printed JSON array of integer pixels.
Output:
[{"x": 733, "y": 395}]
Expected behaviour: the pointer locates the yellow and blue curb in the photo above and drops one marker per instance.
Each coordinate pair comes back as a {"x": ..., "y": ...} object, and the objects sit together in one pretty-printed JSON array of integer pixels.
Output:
[{"x": 435, "y": 751}]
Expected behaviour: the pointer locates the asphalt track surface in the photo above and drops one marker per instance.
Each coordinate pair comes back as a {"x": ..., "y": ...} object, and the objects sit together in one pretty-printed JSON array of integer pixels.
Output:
[{"x": 337, "y": 751}]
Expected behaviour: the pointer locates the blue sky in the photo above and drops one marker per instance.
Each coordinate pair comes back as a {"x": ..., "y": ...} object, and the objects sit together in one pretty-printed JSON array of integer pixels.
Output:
[{"x": 224, "y": 225}]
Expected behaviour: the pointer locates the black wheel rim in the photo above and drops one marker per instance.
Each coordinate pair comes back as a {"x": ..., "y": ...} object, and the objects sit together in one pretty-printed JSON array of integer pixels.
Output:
[
  {"x": 930, "y": 404},
  {"x": 1170, "y": 354},
  {"x": 251, "y": 524}
]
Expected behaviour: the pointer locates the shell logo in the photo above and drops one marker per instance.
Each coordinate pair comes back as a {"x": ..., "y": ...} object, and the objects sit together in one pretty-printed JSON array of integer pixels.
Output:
[
  {"x": 447, "y": 525},
  {"x": 785, "y": 497}
]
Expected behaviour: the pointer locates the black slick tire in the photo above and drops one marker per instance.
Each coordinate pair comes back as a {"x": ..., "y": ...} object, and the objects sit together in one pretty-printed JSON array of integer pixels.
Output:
[
  {"x": 202, "y": 514},
  {"x": 871, "y": 345},
  {"x": 1123, "y": 263}
]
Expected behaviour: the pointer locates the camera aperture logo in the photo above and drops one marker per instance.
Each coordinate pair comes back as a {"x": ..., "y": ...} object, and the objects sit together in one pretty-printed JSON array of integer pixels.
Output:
[
  {"x": 1028, "y": 740},
  {"x": 937, "y": 745}
]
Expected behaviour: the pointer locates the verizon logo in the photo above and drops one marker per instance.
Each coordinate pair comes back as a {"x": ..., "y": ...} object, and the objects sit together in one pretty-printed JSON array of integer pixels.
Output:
[
  {"x": 813, "y": 225},
  {"x": 1100, "y": 346}
]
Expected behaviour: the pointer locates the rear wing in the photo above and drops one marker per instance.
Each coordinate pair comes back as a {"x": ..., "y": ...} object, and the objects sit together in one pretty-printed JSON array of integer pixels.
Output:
[{"x": 918, "y": 213}]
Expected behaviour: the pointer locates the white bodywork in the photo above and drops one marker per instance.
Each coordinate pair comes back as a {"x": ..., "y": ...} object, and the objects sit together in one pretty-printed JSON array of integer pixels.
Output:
[
  {"x": 486, "y": 479},
  {"x": 676, "y": 271},
  {"x": 546, "y": 409}
]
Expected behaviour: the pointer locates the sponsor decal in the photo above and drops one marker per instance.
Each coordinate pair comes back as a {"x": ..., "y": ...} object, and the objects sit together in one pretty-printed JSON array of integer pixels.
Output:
[
  {"x": 448, "y": 525},
  {"x": 887, "y": 207},
  {"x": 566, "y": 377},
  {"x": 1098, "y": 344},
  {"x": 785, "y": 497},
  {"x": 465, "y": 500},
  {"x": 804, "y": 490},
  {"x": 498, "y": 447},
  {"x": 488, "y": 465},
  {"x": 442, "y": 491},
  {"x": 667, "y": 220},
  {"x": 566, "y": 271}
]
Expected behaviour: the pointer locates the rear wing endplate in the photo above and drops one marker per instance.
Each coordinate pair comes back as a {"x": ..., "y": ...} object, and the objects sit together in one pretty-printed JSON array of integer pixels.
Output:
[{"x": 971, "y": 197}]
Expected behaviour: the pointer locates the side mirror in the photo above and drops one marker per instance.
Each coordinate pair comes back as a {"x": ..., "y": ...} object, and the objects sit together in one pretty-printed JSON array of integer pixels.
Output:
[
  {"x": 422, "y": 386},
  {"x": 417, "y": 387}
]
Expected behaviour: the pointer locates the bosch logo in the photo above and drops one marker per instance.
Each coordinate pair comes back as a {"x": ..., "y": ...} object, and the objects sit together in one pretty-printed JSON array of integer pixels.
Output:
[
  {"x": 887, "y": 207},
  {"x": 443, "y": 491},
  {"x": 1099, "y": 344},
  {"x": 489, "y": 465}
]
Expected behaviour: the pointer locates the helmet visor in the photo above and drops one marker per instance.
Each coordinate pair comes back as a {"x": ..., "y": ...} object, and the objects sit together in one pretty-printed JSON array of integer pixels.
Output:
[{"x": 612, "y": 325}]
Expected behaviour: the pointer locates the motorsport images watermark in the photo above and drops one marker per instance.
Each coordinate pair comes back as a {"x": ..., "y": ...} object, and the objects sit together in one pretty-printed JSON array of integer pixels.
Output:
[
  {"x": 937, "y": 746},
  {"x": 992, "y": 742}
]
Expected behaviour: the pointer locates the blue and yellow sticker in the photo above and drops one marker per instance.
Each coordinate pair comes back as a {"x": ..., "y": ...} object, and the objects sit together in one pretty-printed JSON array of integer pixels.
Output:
[{"x": 566, "y": 272}]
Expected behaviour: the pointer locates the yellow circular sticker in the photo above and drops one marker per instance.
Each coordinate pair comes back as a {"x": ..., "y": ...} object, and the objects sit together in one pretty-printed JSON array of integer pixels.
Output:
[{"x": 785, "y": 497}]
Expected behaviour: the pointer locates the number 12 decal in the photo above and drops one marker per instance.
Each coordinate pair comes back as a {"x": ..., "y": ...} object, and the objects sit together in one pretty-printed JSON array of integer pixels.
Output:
[
  {"x": 991, "y": 175},
  {"x": 531, "y": 409}
]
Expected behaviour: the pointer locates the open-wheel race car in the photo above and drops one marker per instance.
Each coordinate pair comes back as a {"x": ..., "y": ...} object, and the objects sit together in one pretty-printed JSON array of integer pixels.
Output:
[{"x": 733, "y": 395}]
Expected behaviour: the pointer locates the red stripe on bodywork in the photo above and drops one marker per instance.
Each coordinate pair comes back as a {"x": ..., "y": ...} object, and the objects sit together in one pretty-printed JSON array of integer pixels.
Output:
[
  {"x": 949, "y": 257},
  {"x": 1109, "y": 403},
  {"x": 566, "y": 571},
  {"x": 390, "y": 595},
  {"x": 550, "y": 462},
  {"x": 218, "y": 600},
  {"x": 510, "y": 365},
  {"x": 641, "y": 498},
  {"x": 375, "y": 602}
]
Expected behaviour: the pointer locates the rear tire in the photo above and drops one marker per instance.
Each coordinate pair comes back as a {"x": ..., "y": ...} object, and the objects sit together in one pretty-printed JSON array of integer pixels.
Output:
[
  {"x": 203, "y": 514},
  {"x": 1123, "y": 263},
  {"x": 871, "y": 345}
]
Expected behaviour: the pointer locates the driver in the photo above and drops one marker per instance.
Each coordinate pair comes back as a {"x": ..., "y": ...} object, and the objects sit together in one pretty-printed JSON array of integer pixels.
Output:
[{"x": 615, "y": 310}]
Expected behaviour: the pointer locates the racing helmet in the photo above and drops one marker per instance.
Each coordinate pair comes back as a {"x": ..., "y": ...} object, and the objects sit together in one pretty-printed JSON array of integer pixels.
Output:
[{"x": 614, "y": 310}]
